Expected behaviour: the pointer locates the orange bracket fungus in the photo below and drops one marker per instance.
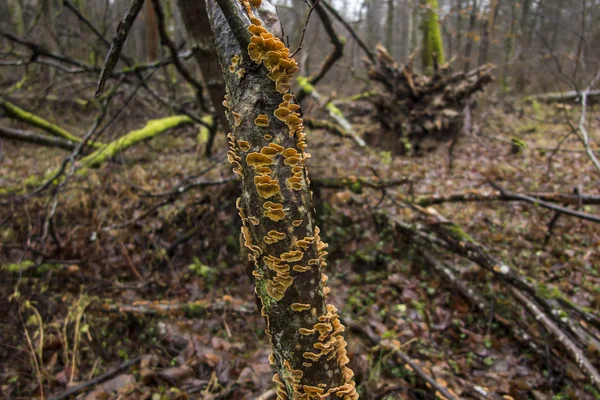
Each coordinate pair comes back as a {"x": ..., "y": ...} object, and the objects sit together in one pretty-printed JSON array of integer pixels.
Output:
[
  {"x": 278, "y": 221},
  {"x": 262, "y": 120}
]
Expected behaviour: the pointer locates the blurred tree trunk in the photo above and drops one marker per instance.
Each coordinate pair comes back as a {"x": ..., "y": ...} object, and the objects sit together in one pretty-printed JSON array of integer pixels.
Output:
[
  {"x": 523, "y": 40},
  {"x": 432, "y": 37},
  {"x": 488, "y": 32},
  {"x": 555, "y": 25},
  {"x": 151, "y": 32},
  {"x": 413, "y": 26},
  {"x": 279, "y": 233},
  {"x": 373, "y": 22},
  {"x": 509, "y": 44},
  {"x": 459, "y": 23},
  {"x": 389, "y": 34},
  {"x": 195, "y": 19},
  {"x": 471, "y": 35}
]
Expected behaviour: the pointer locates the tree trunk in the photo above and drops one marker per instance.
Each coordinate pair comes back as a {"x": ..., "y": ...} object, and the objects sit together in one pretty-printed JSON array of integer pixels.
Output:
[
  {"x": 521, "y": 76},
  {"x": 470, "y": 35},
  {"x": 278, "y": 232},
  {"x": 195, "y": 19},
  {"x": 151, "y": 26},
  {"x": 488, "y": 32},
  {"x": 389, "y": 35},
  {"x": 413, "y": 27},
  {"x": 509, "y": 45},
  {"x": 459, "y": 21},
  {"x": 432, "y": 37}
]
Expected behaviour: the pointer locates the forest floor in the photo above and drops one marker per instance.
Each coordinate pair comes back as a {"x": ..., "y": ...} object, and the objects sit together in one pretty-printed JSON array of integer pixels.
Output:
[{"x": 116, "y": 240}]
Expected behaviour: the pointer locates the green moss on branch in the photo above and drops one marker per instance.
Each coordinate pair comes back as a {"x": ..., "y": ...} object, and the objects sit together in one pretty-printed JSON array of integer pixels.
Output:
[{"x": 18, "y": 113}]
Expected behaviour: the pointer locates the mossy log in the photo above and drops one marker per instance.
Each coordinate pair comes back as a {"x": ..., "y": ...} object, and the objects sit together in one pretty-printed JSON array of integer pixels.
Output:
[
  {"x": 413, "y": 108},
  {"x": 15, "y": 112},
  {"x": 152, "y": 129},
  {"x": 279, "y": 234}
]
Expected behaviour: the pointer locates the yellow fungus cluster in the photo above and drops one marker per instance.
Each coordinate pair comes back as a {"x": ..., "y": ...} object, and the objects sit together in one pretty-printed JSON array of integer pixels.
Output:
[
  {"x": 262, "y": 120},
  {"x": 266, "y": 186},
  {"x": 282, "y": 280},
  {"x": 243, "y": 145},
  {"x": 232, "y": 157},
  {"x": 300, "y": 307},
  {"x": 237, "y": 118},
  {"x": 273, "y": 237},
  {"x": 273, "y": 211},
  {"x": 304, "y": 243},
  {"x": 233, "y": 67},
  {"x": 330, "y": 344}
]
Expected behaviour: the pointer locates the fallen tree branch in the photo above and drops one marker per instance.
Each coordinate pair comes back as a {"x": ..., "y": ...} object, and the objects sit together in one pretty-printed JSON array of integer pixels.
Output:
[
  {"x": 334, "y": 112},
  {"x": 572, "y": 96},
  {"x": 17, "y": 113},
  {"x": 479, "y": 301},
  {"x": 36, "y": 138},
  {"x": 567, "y": 211},
  {"x": 495, "y": 195},
  {"x": 572, "y": 349},
  {"x": 452, "y": 238},
  {"x": 189, "y": 310},
  {"x": 357, "y": 183},
  {"x": 416, "y": 368},
  {"x": 152, "y": 129}
]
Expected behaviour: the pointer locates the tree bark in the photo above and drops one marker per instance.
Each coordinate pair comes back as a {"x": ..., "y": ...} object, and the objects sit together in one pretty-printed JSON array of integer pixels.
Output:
[
  {"x": 470, "y": 33},
  {"x": 389, "y": 33},
  {"x": 151, "y": 25},
  {"x": 278, "y": 232},
  {"x": 488, "y": 32},
  {"x": 195, "y": 19}
]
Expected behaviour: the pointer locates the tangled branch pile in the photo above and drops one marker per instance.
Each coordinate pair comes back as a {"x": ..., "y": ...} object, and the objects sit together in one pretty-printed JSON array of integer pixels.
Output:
[{"x": 414, "y": 107}]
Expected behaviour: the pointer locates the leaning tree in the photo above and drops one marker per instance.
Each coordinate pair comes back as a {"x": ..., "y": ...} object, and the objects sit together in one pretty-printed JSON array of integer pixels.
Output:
[{"x": 282, "y": 242}]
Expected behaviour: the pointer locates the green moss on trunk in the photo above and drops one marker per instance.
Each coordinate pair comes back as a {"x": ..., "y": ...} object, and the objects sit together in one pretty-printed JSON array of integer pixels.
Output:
[{"x": 432, "y": 37}]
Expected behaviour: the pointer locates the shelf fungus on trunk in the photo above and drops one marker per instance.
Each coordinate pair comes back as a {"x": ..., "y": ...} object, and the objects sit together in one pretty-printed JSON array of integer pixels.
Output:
[{"x": 268, "y": 149}]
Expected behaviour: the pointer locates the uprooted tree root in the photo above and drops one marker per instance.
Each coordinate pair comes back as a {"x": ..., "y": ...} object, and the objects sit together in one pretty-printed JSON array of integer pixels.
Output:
[{"x": 413, "y": 108}]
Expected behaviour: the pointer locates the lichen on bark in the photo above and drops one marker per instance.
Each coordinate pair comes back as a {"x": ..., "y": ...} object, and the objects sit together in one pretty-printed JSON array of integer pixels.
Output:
[{"x": 279, "y": 231}]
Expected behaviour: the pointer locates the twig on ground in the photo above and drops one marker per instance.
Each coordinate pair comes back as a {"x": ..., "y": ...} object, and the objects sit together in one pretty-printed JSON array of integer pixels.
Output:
[{"x": 102, "y": 378}]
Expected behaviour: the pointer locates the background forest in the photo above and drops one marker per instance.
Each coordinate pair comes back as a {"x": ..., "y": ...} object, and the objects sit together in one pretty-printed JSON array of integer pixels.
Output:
[{"x": 454, "y": 173}]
